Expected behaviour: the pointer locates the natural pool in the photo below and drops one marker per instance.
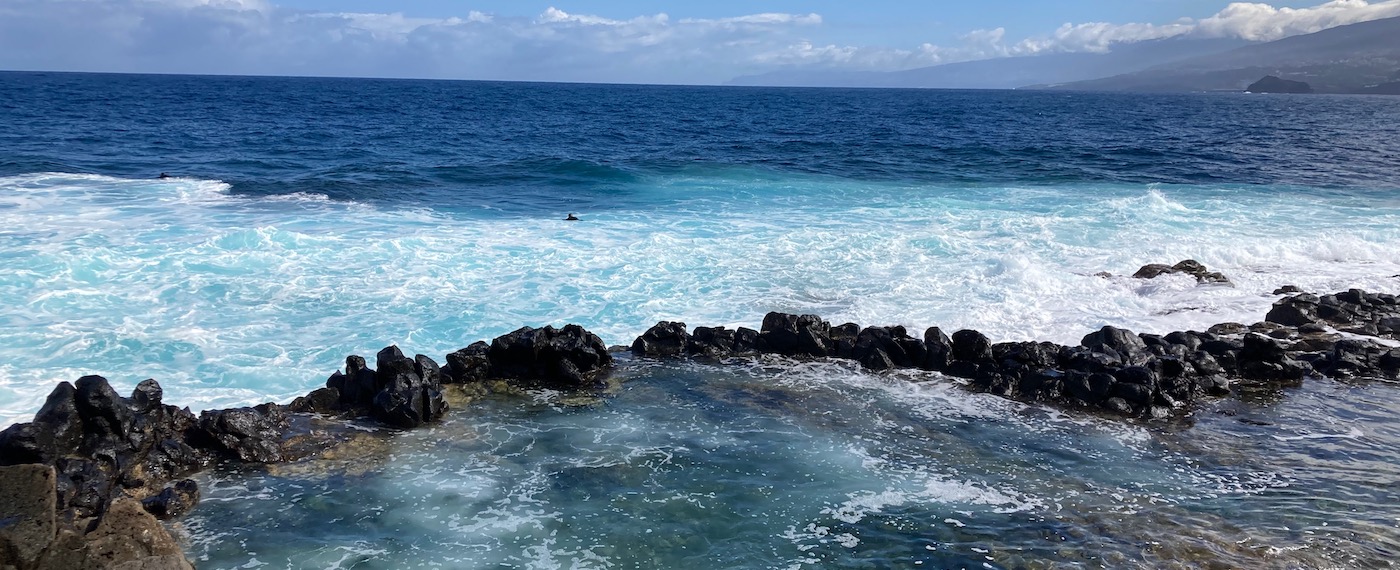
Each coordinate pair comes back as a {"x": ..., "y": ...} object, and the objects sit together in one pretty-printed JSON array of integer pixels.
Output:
[{"x": 778, "y": 464}]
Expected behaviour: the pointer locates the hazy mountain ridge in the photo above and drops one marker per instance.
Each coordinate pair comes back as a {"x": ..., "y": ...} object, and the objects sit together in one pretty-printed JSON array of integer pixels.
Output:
[
  {"x": 1007, "y": 72},
  {"x": 1357, "y": 58}
]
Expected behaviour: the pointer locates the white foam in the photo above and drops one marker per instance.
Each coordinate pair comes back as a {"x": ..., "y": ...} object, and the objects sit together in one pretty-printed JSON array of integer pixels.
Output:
[{"x": 231, "y": 300}]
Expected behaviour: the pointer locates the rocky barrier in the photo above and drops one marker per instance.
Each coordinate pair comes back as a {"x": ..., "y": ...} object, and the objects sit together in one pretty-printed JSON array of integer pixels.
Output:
[
  {"x": 85, "y": 484},
  {"x": 1111, "y": 370}
]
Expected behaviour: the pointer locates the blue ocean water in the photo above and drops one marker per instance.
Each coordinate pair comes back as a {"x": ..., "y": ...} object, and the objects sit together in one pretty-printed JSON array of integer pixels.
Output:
[{"x": 308, "y": 219}]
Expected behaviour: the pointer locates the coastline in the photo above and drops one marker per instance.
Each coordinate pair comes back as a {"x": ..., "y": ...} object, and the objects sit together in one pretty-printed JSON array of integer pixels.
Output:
[{"x": 104, "y": 452}]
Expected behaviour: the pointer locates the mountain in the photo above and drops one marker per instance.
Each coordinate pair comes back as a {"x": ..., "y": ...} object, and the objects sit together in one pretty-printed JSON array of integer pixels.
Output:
[
  {"x": 1358, "y": 58},
  {"x": 1007, "y": 72}
]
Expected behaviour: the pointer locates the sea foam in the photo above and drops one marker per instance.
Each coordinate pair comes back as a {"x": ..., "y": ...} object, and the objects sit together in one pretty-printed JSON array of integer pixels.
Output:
[{"x": 230, "y": 299}]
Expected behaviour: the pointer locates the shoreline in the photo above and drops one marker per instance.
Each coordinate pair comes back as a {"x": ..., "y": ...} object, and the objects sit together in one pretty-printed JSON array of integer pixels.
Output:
[{"x": 98, "y": 469}]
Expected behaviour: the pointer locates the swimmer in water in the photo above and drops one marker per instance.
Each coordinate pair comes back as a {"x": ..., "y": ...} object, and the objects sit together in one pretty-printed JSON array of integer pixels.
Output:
[
  {"x": 163, "y": 176},
  {"x": 571, "y": 218}
]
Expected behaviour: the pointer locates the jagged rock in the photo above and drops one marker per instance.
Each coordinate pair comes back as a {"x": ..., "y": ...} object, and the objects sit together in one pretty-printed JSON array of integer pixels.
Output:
[
  {"x": 57, "y": 428},
  {"x": 147, "y": 396},
  {"x": 989, "y": 380},
  {"x": 662, "y": 340},
  {"x": 101, "y": 443},
  {"x": 1020, "y": 359},
  {"x": 1190, "y": 267},
  {"x": 468, "y": 365},
  {"x": 795, "y": 335},
  {"x": 745, "y": 340},
  {"x": 173, "y": 501},
  {"x": 1129, "y": 348},
  {"x": 1188, "y": 340},
  {"x": 570, "y": 357},
  {"x": 876, "y": 359},
  {"x": 410, "y": 391},
  {"x": 843, "y": 340},
  {"x": 970, "y": 346},
  {"x": 106, "y": 418},
  {"x": 253, "y": 435},
  {"x": 318, "y": 401},
  {"x": 1286, "y": 289},
  {"x": 719, "y": 341},
  {"x": 938, "y": 348},
  {"x": 126, "y": 538},
  {"x": 1046, "y": 385},
  {"x": 1294, "y": 311},
  {"x": 357, "y": 386},
  {"x": 1089, "y": 389},
  {"x": 888, "y": 347}
]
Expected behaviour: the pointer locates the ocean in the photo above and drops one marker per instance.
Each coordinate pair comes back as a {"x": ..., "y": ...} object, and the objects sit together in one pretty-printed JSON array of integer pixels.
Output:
[{"x": 304, "y": 220}]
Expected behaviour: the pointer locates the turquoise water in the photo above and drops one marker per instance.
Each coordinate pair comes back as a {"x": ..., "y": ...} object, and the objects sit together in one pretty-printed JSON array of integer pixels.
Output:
[
  {"x": 312, "y": 219},
  {"x": 782, "y": 465},
  {"x": 231, "y": 300}
]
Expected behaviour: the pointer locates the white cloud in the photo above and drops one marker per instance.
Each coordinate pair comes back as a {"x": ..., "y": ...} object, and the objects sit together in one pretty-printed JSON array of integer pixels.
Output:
[
  {"x": 1243, "y": 20},
  {"x": 260, "y": 37},
  {"x": 1262, "y": 22}
]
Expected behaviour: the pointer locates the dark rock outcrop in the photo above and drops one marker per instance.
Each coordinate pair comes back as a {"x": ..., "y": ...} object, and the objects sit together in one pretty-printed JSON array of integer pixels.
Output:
[
  {"x": 1190, "y": 267},
  {"x": 410, "y": 390},
  {"x": 795, "y": 335},
  {"x": 85, "y": 481},
  {"x": 1352, "y": 311},
  {"x": 251, "y": 435},
  {"x": 1274, "y": 84},
  {"x": 468, "y": 365},
  {"x": 569, "y": 358},
  {"x": 173, "y": 501},
  {"x": 663, "y": 340},
  {"x": 1112, "y": 370},
  {"x": 103, "y": 445}
]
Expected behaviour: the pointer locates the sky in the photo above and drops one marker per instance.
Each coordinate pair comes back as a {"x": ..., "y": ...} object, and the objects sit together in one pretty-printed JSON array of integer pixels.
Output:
[{"x": 623, "y": 41}]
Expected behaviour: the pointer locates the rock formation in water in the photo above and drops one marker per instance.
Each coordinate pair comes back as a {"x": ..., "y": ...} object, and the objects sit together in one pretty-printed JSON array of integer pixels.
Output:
[
  {"x": 84, "y": 484},
  {"x": 1189, "y": 267},
  {"x": 1111, "y": 370},
  {"x": 1272, "y": 84}
]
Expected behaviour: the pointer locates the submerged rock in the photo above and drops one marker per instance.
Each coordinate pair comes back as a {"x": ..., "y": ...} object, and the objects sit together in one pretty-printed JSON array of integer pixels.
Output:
[
  {"x": 173, "y": 501},
  {"x": 1190, "y": 267}
]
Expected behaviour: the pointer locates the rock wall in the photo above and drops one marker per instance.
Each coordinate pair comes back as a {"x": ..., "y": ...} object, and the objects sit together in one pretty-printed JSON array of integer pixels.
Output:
[{"x": 1111, "y": 370}]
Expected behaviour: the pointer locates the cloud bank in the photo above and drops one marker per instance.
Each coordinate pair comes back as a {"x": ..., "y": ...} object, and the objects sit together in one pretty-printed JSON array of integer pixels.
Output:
[{"x": 261, "y": 37}]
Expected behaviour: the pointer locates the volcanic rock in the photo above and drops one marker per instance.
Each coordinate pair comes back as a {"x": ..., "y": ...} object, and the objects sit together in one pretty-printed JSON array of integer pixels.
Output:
[
  {"x": 1190, "y": 267},
  {"x": 570, "y": 357},
  {"x": 662, "y": 340}
]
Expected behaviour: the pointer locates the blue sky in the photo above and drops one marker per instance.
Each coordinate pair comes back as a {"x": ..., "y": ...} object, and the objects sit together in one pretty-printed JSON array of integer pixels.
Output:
[
  {"x": 868, "y": 21},
  {"x": 611, "y": 40}
]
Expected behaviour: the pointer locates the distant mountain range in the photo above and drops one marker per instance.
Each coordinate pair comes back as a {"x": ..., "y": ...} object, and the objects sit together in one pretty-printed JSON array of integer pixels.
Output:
[{"x": 1359, "y": 58}]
